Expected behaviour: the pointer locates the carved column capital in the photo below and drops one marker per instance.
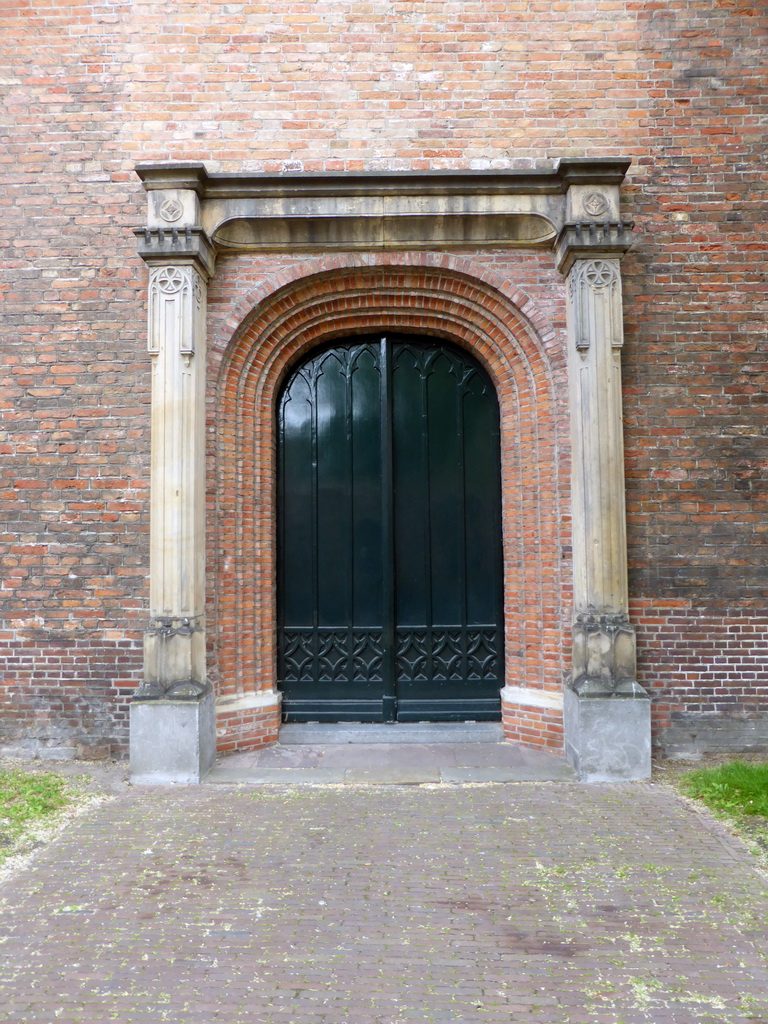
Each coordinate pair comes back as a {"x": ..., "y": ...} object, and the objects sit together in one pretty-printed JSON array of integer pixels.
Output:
[
  {"x": 592, "y": 239},
  {"x": 177, "y": 245},
  {"x": 177, "y": 299},
  {"x": 594, "y": 293}
]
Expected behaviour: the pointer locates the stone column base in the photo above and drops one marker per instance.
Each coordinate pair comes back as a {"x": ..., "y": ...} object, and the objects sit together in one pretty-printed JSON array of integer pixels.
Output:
[
  {"x": 172, "y": 740},
  {"x": 608, "y": 739}
]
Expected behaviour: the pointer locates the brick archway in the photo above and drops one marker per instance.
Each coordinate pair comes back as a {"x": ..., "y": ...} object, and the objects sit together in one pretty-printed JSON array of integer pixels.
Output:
[{"x": 470, "y": 309}]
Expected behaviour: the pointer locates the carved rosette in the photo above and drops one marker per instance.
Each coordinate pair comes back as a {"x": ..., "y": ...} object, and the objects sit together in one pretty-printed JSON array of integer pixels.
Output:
[
  {"x": 595, "y": 204},
  {"x": 171, "y": 210}
]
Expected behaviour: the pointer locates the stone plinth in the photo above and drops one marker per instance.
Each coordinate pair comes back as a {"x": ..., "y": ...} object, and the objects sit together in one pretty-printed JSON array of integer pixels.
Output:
[
  {"x": 608, "y": 739},
  {"x": 172, "y": 740}
]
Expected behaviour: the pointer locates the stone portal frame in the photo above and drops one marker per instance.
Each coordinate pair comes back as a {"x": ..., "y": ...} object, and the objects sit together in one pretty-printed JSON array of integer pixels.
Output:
[{"x": 572, "y": 209}]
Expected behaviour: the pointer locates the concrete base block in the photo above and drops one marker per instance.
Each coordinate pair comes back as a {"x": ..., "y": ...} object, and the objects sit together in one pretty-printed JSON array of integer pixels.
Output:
[
  {"x": 608, "y": 739},
  {"x": 172, "y": 741}
]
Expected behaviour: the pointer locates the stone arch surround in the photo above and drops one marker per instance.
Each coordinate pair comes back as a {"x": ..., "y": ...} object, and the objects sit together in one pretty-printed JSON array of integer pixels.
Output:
[{"x": 437, "y": 295}]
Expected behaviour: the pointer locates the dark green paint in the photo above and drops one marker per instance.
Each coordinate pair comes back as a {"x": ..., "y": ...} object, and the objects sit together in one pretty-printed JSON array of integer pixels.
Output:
[{"x": 389, "y": 588}]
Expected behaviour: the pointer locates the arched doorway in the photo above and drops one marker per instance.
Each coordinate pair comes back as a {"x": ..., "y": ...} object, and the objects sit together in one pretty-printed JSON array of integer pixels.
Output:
[
  {"x": 435, "y": 297},
  {"x": 355, "y": 280},
  {"x": 390, "y": 567}
]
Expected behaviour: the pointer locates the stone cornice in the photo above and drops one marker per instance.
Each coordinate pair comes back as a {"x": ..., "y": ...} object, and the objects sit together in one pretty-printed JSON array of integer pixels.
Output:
[
  {"x": 374, "y": 210},
  {"x": 245, "y": 185}
]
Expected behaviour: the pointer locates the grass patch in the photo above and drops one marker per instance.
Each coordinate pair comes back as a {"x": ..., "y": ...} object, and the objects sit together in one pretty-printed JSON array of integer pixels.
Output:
[
  {"x": 736, "y": 789},
  {"x": 27, "y": 800}
]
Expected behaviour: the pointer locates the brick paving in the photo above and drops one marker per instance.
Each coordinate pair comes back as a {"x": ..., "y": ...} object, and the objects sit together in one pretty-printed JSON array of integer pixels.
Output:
[{"x": 552, "y": 902}]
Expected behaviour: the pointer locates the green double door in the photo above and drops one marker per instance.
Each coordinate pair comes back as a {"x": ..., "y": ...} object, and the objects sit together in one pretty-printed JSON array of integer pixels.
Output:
[{"x": 389, "y": 535}]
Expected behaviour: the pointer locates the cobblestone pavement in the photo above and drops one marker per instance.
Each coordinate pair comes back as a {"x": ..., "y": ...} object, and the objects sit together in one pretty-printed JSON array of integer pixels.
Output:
[{"x": 551, "y": 902}]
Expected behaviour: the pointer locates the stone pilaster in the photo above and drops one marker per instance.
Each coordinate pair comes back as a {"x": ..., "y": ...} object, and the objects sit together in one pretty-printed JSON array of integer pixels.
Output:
[
  {"x": 174, "y": 649},
  {"x": 607, "y": 738},
  {"x": 172, "y": 722},
  {"x": 603, "y": 640}
]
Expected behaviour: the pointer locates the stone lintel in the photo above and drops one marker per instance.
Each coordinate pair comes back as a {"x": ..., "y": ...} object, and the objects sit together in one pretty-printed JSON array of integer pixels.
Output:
[
  {"x": 239, "y": 185},
  {"x": 400, "y": 209},
  {"x": 322, "y": 230}
]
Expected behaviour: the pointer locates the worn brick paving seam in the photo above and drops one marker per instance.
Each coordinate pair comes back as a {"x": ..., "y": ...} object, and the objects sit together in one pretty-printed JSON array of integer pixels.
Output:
[{"x": 557, "y": 903}]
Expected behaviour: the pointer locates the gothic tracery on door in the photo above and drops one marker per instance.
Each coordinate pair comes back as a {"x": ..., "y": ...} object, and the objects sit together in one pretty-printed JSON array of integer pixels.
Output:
[{"x": 390, "y": 561}]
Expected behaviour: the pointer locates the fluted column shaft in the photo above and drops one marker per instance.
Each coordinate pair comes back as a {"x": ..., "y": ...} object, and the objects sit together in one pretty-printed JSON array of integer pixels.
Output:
[
  {"x": 603, "y": 639},
  {"x": 174, "y": 648}
]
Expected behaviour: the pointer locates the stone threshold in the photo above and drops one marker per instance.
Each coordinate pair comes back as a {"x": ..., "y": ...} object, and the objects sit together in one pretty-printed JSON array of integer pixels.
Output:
[
  {"x": 395, "y": 732},
  {"x": 222, "y": 774}
]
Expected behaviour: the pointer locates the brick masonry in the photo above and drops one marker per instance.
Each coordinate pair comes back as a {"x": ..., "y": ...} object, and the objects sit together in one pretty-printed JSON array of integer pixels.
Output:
[
  {"x": 425, "y": 294},
  {"x": 91, "y": 89},
  {"x": 488, "y": 905}
]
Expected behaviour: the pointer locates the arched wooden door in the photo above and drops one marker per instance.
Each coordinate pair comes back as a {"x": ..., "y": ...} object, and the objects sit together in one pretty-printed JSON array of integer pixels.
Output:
[{"x": 389, "y": 535}]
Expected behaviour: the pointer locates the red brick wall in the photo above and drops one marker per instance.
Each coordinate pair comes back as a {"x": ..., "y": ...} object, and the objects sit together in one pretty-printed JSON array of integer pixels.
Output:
[
  {"x": 73, "y": 387},
  {"x": 696, "y": 375},
  {"x": 535, "y": 727},
  {"x": 710, "y": 670},
  {"x": 89, "y": 89}
]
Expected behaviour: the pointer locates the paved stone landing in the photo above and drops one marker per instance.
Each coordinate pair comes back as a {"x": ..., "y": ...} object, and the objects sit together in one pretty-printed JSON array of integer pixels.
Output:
[
  {"x": 403, "y": 763},
  {"x": 490, "y": 904}
]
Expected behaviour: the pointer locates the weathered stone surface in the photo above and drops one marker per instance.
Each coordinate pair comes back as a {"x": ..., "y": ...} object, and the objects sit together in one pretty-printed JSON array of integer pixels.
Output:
[
  {"x": 608, "y": 739},
  {"x": 172, "y": 741},
  {"x": 603, "y": 656},
  {"x": 607, "y": 722},
  {"x": 595, "y": 337},
  {"x": 174, "y": 646}
]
